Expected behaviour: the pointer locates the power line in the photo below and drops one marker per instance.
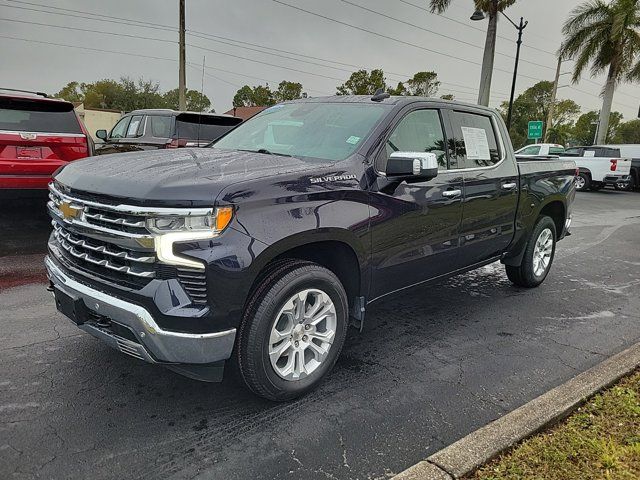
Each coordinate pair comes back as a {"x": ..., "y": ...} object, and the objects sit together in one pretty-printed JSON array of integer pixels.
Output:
[
  {"x": 201, "y": 35},
  {"x": 440, "y": 34}
]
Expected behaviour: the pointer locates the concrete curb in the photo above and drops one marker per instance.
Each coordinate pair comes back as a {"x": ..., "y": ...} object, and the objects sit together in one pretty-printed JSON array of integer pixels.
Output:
[{"x": 477, "y": 448}]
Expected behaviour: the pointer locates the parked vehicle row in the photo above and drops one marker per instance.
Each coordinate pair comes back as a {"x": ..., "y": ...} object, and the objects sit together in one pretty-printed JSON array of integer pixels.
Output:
[
  {"x": 540, "y": 150},
  {"x": 264, "y": 247}
]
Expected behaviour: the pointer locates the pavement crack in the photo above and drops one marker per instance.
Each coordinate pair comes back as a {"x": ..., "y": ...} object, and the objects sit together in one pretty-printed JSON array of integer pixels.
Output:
[{"x": 344, "y": 452}]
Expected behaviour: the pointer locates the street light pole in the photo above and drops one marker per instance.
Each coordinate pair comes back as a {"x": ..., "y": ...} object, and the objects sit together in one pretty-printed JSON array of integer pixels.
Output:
[
  {"x": 182, "y": 75},
  {"x": 520, "y": 29}
]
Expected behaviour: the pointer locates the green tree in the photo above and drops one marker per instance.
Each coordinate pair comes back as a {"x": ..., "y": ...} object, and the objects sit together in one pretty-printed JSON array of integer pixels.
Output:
[
  {"x": 288, "y": 91},
  {"x": 259, "y": 96},
  {"x": 363, "y": 83},
  {"x": 399, "y": 90},
  {"x": 533, "y": 104},
  {"x": 628, "y": 132},
  {"x": 605, "y": 36},
  {"x": 584, "y": 130},
  {"x": 70, "y": 92},
  {"x": 422, "y": 84},
  {"x": 491, "y": 8},
  {"x": 196, "y": 101}
]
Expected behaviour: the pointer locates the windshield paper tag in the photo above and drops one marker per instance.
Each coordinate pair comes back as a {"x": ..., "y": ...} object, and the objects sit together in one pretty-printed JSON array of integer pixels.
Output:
[{"x": 353, "y": 139}]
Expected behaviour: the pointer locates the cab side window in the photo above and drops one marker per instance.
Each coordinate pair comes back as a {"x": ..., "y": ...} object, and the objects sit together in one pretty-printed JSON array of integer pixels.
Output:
[
  {"x": 418, "y": 131},
  {"x": 136, "y": 127},
  {"x": 476, "y": 143},
  {"x": 160, "y": 126},
  {"x": 533, "y": 150}
]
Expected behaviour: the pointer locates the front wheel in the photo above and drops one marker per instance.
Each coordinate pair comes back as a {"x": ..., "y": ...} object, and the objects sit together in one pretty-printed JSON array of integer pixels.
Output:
[
  {"x": 292, "y": 330},
  {"x": 538, "y": 256}
]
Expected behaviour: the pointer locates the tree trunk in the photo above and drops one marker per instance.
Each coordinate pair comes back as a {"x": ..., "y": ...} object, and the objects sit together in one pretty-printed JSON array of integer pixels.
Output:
[
  {"x": 603, "y": 123},
  {"x": 489, "y": 55}
]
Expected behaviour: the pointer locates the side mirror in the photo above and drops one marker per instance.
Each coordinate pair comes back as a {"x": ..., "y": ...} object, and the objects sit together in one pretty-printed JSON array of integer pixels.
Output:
[
  {"x": 101, "y": 134},
  {"x": 412, "y": 166}
]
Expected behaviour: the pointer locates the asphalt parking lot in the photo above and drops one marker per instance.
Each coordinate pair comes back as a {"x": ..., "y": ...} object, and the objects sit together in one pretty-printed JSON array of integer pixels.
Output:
[{"x": 432, "y": 365}]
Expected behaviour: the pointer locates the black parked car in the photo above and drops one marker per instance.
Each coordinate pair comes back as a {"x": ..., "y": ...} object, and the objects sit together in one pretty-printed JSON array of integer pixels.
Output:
[{"x": 153, "y": 129}]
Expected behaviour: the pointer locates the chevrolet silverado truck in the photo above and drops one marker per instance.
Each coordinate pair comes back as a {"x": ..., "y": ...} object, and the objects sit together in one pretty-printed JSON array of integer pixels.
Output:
[{"x": 264, "y": 247}]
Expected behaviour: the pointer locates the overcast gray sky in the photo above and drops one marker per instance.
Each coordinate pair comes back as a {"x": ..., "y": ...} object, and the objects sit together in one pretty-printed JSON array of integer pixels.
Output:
[{"x": 321, "y": 52}]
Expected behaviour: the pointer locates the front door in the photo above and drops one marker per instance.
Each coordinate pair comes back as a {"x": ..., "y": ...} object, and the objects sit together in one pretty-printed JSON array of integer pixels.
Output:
[
  {"x": 491, "y": 185},
  {"x": 415, "y": 226}
]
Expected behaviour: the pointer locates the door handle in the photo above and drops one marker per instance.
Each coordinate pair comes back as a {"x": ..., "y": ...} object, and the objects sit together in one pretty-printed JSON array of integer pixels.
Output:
[
  {"x": 452, "y": 193},
  {"x": 509, "y": 186}
]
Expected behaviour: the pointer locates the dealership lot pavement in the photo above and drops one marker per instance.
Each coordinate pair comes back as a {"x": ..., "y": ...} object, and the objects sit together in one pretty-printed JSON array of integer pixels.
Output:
[{"x": 432, "y": 365}]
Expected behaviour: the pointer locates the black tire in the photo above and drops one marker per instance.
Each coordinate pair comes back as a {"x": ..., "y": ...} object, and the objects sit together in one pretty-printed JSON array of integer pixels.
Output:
[
  {"x": 627, "y": 187},
  {"x": 584, "y": 182},
  {"x": 524, "y": 274},
  {"x": 275, "y": 288}
]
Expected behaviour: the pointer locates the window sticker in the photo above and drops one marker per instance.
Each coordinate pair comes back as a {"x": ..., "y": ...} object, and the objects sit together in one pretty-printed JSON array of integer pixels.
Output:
[
  {"x": 589, "y": 153},
  {"x": 476, "y": 143},
  {"x": 353, "y": 140}
]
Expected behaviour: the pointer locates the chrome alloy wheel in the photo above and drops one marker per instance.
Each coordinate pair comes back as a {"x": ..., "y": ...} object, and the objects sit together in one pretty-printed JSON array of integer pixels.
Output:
[
  {"x": 302, "y": 334},
  {"x": 542, "y": 252},
  {"x": 580, "y": 182}
]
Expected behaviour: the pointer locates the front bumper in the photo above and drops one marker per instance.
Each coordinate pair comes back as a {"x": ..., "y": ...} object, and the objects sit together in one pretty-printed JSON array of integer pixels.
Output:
[{"x": 147, "y": 340}]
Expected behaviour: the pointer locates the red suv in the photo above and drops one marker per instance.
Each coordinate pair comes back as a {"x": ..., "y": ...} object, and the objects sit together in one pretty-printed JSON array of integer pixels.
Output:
[{"x": 37, "y": 135}]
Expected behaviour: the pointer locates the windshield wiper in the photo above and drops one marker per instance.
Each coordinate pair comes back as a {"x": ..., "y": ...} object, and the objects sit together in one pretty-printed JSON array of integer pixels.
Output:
[{"x": 266, "y": 152}]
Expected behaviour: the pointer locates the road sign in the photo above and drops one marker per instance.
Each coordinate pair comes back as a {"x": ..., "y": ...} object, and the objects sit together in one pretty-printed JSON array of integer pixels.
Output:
[{"x": 535, "y": 130}]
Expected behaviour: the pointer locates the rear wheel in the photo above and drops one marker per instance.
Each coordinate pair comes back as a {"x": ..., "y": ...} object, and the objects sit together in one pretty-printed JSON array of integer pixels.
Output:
[
  {"x": 292, "y": 331},
  {"x": 583, "y": 181},
  {"x": 538, "y": 256}
]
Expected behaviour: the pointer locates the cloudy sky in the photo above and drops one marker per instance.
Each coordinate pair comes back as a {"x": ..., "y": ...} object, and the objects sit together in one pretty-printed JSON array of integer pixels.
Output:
[{"x": 266, "y": 41}]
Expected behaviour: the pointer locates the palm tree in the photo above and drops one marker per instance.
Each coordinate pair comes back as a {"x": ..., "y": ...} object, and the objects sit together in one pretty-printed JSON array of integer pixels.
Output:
[
  {"x": 491, "y": 8},
  {"x": 605, "y": 36}
]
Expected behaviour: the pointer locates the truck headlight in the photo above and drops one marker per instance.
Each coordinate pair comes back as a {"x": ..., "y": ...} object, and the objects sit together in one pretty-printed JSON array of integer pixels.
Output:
[{"x": 168, "y": 230}]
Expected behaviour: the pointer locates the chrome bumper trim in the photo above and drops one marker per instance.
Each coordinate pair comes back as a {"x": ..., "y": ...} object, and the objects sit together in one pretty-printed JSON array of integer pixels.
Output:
[{"x": 161, "y": 346}]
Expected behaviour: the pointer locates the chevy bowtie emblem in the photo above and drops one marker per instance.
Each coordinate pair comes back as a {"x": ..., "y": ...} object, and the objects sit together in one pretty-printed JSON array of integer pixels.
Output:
[{"x": 69, "y": 212}]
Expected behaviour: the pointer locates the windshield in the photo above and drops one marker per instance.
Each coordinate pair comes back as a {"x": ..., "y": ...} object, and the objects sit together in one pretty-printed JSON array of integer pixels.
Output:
[{"x": 325, "y": 131}]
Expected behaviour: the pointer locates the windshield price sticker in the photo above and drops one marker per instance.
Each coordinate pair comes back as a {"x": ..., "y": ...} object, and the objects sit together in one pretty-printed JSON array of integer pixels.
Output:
[
  {"x": 476, "y": 143},
  {"x": 353, "y": 139}
]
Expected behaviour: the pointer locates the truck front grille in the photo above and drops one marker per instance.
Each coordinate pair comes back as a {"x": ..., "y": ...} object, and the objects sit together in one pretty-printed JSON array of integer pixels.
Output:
[{"x": 112, "y": 242}]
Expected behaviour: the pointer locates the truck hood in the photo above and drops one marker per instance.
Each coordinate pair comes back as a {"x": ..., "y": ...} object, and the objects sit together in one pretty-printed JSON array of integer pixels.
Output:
[{"x": 186, "y": 176}]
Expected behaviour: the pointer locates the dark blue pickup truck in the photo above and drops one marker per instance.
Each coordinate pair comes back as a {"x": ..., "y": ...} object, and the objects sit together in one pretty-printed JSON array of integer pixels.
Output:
[{"x": 263, "y": 248}]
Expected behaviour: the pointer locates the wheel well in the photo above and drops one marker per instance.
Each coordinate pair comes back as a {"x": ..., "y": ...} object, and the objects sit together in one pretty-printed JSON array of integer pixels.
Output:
[
  {"x": 335, "y": 256},
  {"x": 556, "y": 211}
]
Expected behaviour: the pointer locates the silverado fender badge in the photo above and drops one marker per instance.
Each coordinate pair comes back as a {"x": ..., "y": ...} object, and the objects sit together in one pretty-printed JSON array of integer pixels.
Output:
[{"x": 332, "y": 178}]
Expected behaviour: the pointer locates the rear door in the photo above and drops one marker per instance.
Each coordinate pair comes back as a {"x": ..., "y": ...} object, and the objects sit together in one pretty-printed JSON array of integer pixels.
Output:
[
  {"x": 37, "y": 136},
  {"x": 491, "y": 185},
  {"x": 415, "y": 226}
]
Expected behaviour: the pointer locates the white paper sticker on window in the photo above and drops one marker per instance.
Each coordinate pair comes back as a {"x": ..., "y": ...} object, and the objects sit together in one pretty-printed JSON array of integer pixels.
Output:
[
  {"x": 476, "y": 143},
  {"x": 589, "y": 153}
]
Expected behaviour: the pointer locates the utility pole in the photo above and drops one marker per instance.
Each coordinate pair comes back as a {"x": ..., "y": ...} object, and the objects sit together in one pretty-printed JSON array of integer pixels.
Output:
[
  {"x": 486, "y": 74},
  {"x": 182, "y": 75},
  {"x": 552, "y": 106}
]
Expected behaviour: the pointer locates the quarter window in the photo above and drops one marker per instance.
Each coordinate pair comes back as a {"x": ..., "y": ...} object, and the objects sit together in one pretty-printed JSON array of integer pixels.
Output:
[
  {"x": 530, "y": 151},
  {"x": 418, "y": 131},
  {"x": 476, "y": 143}
]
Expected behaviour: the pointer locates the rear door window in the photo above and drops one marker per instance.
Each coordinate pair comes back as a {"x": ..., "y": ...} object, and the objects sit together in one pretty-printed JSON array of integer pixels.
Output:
[
  {"x": 476, "y": 143},
  {"x": 192, "y": 126},
  {"x": 159, "y": 126},
  {"x": 24, "y": 115},
  {"x": 556, "y": 150}
]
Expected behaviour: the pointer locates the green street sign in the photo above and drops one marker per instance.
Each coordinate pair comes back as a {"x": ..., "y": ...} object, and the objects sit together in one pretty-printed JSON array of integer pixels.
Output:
[{"x": 535, "y": 130}]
